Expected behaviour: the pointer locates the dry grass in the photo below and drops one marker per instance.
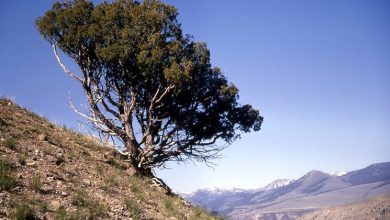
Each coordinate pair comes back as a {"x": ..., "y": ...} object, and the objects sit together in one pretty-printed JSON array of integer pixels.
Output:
[{"x": 78, "y": 176}]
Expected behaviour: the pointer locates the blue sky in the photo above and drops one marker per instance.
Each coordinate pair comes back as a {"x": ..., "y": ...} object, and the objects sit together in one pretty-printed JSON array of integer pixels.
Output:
[{"x": 319, "y": 71}]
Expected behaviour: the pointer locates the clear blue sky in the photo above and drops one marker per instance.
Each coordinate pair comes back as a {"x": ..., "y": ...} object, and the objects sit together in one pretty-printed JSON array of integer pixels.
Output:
[{"x": 319, "y": 71}]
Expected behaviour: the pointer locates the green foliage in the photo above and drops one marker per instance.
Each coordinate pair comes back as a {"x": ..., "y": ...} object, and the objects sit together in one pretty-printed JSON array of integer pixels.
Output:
[
  {"x": 130, "y": 51},
  {"x": 203, "y": 214},
  {"x": 78, "y": 214},
  {"x": 80, "y": 198},
  {"x": 110, "y": 181},
  {"x": 96, "y": 209},
  {"x": 86, "y": 206},
  {"x": 170, "y": 204},
  {"x": 7, "y": 182},
  {"x": 10, "y": 143},
  {"x": 197, "y": 214},
  {"x": 21, "y": 159},
  {"x": 134, "y": 208},
  {"x": 24, "y": 212},
  {"x": 36, "y": 182},
  {"x": 61, "y": 213},
  {"x": 138, "y": 186}
]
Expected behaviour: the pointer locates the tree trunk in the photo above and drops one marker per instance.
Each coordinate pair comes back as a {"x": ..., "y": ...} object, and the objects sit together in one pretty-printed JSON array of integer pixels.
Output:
[{"x": 137, "y": 170}]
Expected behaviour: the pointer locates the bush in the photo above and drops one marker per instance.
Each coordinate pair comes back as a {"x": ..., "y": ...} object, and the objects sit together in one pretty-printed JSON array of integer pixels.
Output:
[
  {"x": 200, "y": 213},
  {"x": 10, "y": 143},
  {"x": 169, "y": 204},
  {"x": 36, "y": 183},
  {"x": 110, "y": 181},
  {"x": 24, "y": 212},
  {"x": 80, "y": 198},
  {"x": 21, "y": 159},
  {"x": 85, "y": 203},
  {"x": 7, "y": 182},
  {"x": 61, "y": 213},
  {"x": 133, "y": 208},
  {"x": 95, "y": 209}
]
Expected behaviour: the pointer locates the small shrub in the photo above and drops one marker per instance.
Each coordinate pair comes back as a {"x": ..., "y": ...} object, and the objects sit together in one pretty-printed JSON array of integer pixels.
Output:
[
  {"x": 203, "y": 214},
  {"x": 24, "y": 212},
  {"x": 134, "y": 208},
  {"x": 99, "y": 168},
  {"x": 96, "y": 209},
  {"x": 7, "y": 182},
  {"x": 86, "y": 206},
  {"x": 42, "y": 205},
  {"x": 60, "y": 160},
  {"x": 61, "y": 213},
  {"x": 2, "y": 123},
  {"x": 22, "y": 159},
  {"x": 64, "y": 127},
  {"x": 10, "y": 143},
  {"x": 137, "y": 186},
  {"x": 110, "y": 181},
  {"x": 197, "y": 214},
  {"x": 79, "y": 213},
  {"x": 80, "y": 198},
  {"x": 36, "y": 183},
  {"x": 169, "y": 204}
]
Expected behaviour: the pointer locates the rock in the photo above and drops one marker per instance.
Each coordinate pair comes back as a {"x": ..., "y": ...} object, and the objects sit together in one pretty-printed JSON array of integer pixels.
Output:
[
  {"x": 108, "y": 154},
  {"x": 54, "y": 205},
  {"x": 87, "y": 182},
  {"x": 60, "y": 159},
  {"x": 31, "y": 163},
  {"x": 131, "y": 171},
  {"x": 46, "y": 189},
  {"x": 50, "y": 159},
  {"x": 64, "y": 194},
  {"x": 42, "y": 137},
  {"x": 19, "y": 176}
]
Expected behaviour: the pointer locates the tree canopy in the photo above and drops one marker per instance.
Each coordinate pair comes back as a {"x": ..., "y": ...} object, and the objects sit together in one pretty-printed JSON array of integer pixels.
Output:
[{"x": 147, "y": 84}]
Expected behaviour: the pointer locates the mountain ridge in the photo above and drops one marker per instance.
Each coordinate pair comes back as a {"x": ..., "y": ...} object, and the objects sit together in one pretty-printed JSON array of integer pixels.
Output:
[{"x": 312, "y": 191}]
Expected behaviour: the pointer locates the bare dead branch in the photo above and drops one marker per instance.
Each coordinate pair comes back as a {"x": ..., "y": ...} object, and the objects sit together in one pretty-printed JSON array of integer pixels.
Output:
[{"x": 66, "y": 70}]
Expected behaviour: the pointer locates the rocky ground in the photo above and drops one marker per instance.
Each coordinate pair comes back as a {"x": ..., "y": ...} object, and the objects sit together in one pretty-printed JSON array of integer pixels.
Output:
[{"x": 50, "y": 172}]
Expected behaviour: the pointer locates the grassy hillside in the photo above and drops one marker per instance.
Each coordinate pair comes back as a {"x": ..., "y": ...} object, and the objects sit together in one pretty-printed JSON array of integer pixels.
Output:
[{"x": 47, "y": 171}]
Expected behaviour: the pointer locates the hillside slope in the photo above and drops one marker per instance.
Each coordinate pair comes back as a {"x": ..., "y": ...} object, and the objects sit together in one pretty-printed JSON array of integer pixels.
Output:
[
  {"x": 376, "y": 208},
  {"x": 50, "y": 172}
]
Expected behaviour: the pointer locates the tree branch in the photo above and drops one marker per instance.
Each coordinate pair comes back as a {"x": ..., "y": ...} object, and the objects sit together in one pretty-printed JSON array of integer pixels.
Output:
[{"x": 66, "y": 70}]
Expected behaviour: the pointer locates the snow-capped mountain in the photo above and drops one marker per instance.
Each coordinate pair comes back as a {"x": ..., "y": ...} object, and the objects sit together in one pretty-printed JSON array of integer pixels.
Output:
[
  {"x": 312, "y": 191},
  {"x": 214, "y": 191},
  {"x": 213, "y": 197},
  {"x": 338, "y": 173},
  {"x": 276, "y": 184}
]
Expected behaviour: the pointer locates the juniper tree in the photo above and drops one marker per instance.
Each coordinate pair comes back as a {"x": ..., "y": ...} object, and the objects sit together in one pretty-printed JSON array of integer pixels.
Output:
[{"x": 147, "y": 84}]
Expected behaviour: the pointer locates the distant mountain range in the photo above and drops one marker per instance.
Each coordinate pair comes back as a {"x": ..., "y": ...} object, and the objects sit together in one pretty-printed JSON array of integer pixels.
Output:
[{"x": 290, "y": 199}]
